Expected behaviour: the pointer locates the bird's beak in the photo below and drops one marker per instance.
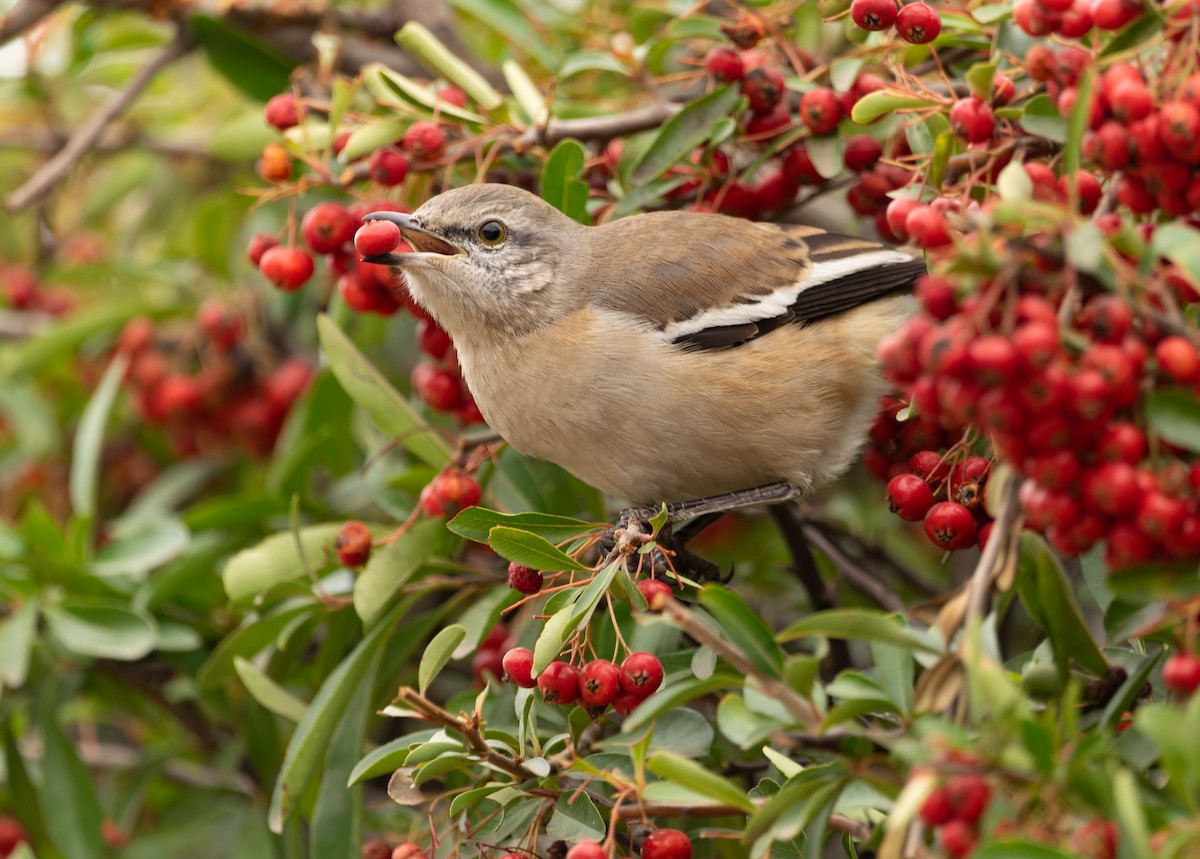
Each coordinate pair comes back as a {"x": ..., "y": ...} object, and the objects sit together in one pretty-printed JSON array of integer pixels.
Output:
[{"x": 427, "y": 244}]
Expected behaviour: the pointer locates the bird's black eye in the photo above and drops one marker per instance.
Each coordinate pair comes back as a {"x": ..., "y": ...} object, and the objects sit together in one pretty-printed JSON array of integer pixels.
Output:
[{"x": 492, "y": 233}]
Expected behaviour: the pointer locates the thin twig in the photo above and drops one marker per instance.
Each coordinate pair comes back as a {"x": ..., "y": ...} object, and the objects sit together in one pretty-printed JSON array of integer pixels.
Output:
[
  {"x": 981, "y": 579},
  {"x": 86, "y": 136},
  {"x": 599, "y": 127},
  {"x": 856, "y": 575},
  {"x": 19, "y": 324},
  {"x": 705, "y": 635},
  {"x": 873, "y": 551},
  {"x": 25, "y": 15}
]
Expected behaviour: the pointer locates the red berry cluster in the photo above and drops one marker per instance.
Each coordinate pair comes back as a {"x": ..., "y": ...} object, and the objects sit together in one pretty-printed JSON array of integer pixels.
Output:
[
  {"x": 954, "y": 809},
  {"x": 659, "y": 844},
  {"x": 20, "y": 289},
  {"x": 12, "y": 835},
  {"x": 597, "y": 684},
  {"x": 377, "y": 848},
  {"x": 962, "y": 519},
  {"x": 917, "y": 22},
  {"x": 448, "y": 493},
  {"x": 204, "y": 389}
]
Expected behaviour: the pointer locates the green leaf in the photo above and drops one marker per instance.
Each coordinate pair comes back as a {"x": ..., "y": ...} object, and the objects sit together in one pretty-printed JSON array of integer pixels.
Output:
[
  {"x": 554, "y": 633},
  {"x": 387, "y": 758},
  {"x": 979, "y": 78},
  {"x": 1181, "y": 245},
  {"x": 392, "y": 566},
  {"x": 1130, "y": 39},
  {"x": 859, "y": 624},
  {"x": 1077, "y": 124},
  {"x": 1042, "y": 118},
  {"x": 267, "y": 692},
  {"x": 561, "y": 186},
  {"x": 102, "y": 630},
  {"x": 247, "y": 641},
  {"x": 24, "y": 799},
  {"x": 1174, "y": 416},
  {"x": 371, "y": 391},
  {"x": 529, "y": 98},
  {"x": 513, "y": 22},
  {"x": 68, "y": 795},
  {"x": 311, "y": 738},
  {"x": 337, "y": 817},
  {"x": 876, "y": 104},
  {"x": 676, "y": 695},
  {"x": 276, "y": 559},
  {"x": 383, "y": 82},
  {"x": 16, "y": 644},
  {"x": 794, "y": 797},
  {"x": 136, "y": 552},
  {"x": 683, "y": 732},
  {"x": 1045, "y": 592},
  {"x": 682, "y": 133},
  {"x": 699, "y": 778},
  {"x": 89, "y": 438},
  {"x": 437, "y": 654},
  {"x": 480, "y": 618},
  {"x": 531, "y": 550},
  {"x": 476, "y": 523},
  {"x": 429, "y": 51},
  {"x": 376, "y": 134},
  {"x": 744, "y": 628},
  {"x": 575, "y": 818},
  {"x": 1014, "y": 184},
  {"x": 591, "y": 61},
  {"x": 249, "y": 64}
]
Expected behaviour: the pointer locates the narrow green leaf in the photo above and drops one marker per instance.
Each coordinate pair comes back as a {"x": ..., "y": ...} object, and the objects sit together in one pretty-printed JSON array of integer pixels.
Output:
[
  {"x": 89, "y": 438},
  {"x": 512, "y": 21},
  {"x": 383, "y": 82},
  {"x": 1077, "y": 124},
  {"x": 106, "y": 630},
  {"x": 311, "y": 738},
  {"x": 276, "y": 559},
  {"x": 1174, "y": 416},
  {"x": 1181, "y": 245},
  {"x": 437, "y": 654},
  {"x": 699, "y": 778},
  {"x": 23, "y": 794},
  {"x": 387, "y": 758},
  {"x": 376, "y": 134},
  {"x": 428, "y": 50},
  {"x": 682, "y": 133},
  {"x": 16, "y": 644},
  {"x": 247, "y": 641},
  {"x": 561, "y": 186},
  {"x": 136, "y": 552},
  {"x": 336, "y": 830},
  {"x": 530, "y": 99},
  {"x": 744, "y": 628},
  {"x": 267, "y": 692},
  {"x": 676, "y": 695},
  {"x": 794, "y": 795},
  {"x": 554, "y": 633},
  {"x": 979, "y": 78},
  {"x": 372, "y": 392},
  {"x": 856, "y": 624},
  {"x": 392, "y": 566},
  {"x": 1045, "y": 592},
  {"x": 476, "y": 523},
  {"x": 576, "y": 818},
  {"x": 247, "y": 63},
  {"x": 1130, "y": 39},
  {"x": 68, "y": 795},
  {"x": 1019, "y": 849},
  {"x": 531, "y": 550},
  {"x": 1042, "y": 118},
  {"x": 480, "y": 618},
  {"x": 876, "y": 104}
]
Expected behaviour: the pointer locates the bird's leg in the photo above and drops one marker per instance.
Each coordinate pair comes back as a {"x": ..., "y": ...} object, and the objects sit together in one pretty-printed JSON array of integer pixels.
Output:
[{"x": 633, "y": 526}]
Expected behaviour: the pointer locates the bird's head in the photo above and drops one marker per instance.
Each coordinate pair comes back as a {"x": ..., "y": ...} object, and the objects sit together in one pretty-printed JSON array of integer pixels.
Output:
[{"x": 487, "y": 258}]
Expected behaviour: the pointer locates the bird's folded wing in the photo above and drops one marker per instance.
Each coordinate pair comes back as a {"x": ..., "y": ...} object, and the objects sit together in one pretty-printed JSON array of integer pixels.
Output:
[{"x": 713, "y": 282}]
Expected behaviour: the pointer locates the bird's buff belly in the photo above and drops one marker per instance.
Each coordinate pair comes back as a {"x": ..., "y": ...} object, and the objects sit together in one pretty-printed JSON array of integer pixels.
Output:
[{"x": 657, "y": 424}]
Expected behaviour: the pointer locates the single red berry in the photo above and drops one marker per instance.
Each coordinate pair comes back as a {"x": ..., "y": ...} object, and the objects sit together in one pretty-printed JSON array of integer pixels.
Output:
[
  {"x": 724, "y": 64},
  {"x": 958, "y": 839},
  {"x": 950, "y": 526},
  {"x": 450, "y": 492},
  {"x": 1181, "y": 673},
  {"x": 376, "y": 848},
  {"x": 424, "y": 141},
  {"x": 918, "y": 23},
  {"x": 928, "y": 465},
  {"x": 437, "y": 387},
  {"x": 327, "y": 226},
  {"x": 289, "y": 268},
  {"x": 641, "y": 674},
  {"x": 282, "y": 111},
  {"x": 821, "y": 110},
  {"x": 1160, "y": 515},
  {"x": 625, "y": 703},
  {"x": 387, "y": 166},
  {"x": 763, "y": 87},
  {"x": 433, "y": 340},
  {"x": 1112, "y": 489},
  {"x": 873, "y": 14},
  {"x": 487, "y": 663},
  {"x": 655, "y": 592},
  {"x": 1077, "y": 21},
  {"x": 897, "y": 213},
  {"x": 969, "y": 796},
  {"x": 937, "y": 809},
  {"x": 972, "y": 119},
  {"x": 286, "y": 383},
  {"x": 1177, "y": 358},
  {"x": 408, "y": 851},
  {"x": 259, "y": 245},
  {"x": 862, "y": 152},
  {"x": 1106, "y": 318},
  {"x": 559, "y": 683},
  {"x": 523, "y": 579},
  {"x": 587, "y": 850},
  {"x": 1115, "y": 14},
  {"x": 221, "y": 326},
  {"x": 353, "y": 544},
  {"x": 275, "y": 164},
  {"x": 1003, "y": 90},
  {"x": 452, "y": 95},
  {"x": 599, "y": 683},
  {"x": 798, "y": 167},
  {"x": 518, "y": 667},
  {"x": 994, "y": 359},
  {"x": 667, "y": 844},
  {"x": 495, "y": 638},
  {"x": 376, "y": 237},
  {"x": 909, "y": 497},
  {"x": 927, "y": 227}
]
